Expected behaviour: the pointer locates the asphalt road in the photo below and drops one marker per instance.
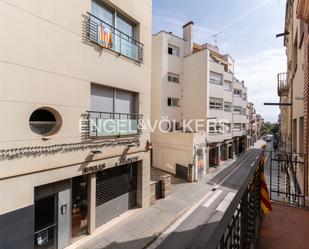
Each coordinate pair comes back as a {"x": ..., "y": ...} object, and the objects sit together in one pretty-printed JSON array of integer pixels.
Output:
[{"x": 197, "y": 226}]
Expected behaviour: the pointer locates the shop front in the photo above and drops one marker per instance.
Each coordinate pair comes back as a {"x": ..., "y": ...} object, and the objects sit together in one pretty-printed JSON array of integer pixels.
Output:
[{"x": 63, "y": 209}]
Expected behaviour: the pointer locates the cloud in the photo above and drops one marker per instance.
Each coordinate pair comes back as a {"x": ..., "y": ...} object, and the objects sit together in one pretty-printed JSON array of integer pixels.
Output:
[{"x": 260, "y": 74}]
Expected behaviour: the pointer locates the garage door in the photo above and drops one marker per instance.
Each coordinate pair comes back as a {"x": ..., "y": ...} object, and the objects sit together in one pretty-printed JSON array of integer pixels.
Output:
[{"x": 115, "y": 192}]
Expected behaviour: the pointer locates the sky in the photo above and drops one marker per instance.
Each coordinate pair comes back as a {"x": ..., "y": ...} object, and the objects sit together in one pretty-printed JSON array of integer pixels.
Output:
[{"x": 247, "y": 31}]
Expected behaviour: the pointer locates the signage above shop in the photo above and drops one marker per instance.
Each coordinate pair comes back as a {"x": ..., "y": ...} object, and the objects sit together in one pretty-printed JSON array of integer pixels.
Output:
[{"x": 99, "y": 167}]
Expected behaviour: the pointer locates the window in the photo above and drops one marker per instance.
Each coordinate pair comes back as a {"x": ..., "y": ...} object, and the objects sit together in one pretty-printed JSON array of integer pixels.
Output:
[
  {"x": 173, "y": 78},
  {"x": 213, "y": 128},
  {"x": 244, "y": 111},
  {"x": 301, "y": 32},
  {"x": 227, "y": 85},
  {"x": 227, "y": 106},
  {"x": 238, "y": 109},
  {"x": 227, "y": 127},
  {"x": 173, "y": 102},
  {"x": 121, "y": 39},
  {"x": 244, "y": 96},
  {"x": 295, "y": 54},
  {"x": 216, "y": 78},
  {"x": 45, "y": 121},
  {"x": 111, "y": 100},
  {"x": 237, "y": 127},
  {"x": 215, "y": 103},
  {"x": 237, "y": 92},
  {"x": 173, "y": 50}
]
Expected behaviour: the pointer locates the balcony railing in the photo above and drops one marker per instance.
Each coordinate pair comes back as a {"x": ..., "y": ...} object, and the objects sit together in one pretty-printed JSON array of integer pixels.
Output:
[
  {"x": 109, "y": 124},
  {"x": 113, "y": 39},
  {"x": 283, "y": 88}
]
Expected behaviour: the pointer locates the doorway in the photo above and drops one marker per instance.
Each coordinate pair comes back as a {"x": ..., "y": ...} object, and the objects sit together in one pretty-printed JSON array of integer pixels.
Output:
[
  {"x": 79, "y": 207},
  {"x": 45, "y": 233}
]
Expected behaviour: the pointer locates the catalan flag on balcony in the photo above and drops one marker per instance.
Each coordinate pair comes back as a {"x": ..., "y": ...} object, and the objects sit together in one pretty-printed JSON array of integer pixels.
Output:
[
  {"x": 105, "y": 37},
  {"x": 265, "y": 200}
]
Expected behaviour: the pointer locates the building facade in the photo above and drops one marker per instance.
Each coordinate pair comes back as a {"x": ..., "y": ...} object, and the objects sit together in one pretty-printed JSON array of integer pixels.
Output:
[
  {"x": 293, "y": 87},
  {"x": 195, "y": 82},
  {"x": 74, "y": 85}
]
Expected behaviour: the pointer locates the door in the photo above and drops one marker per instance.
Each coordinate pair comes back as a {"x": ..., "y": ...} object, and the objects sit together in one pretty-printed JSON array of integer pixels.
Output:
[
  {"x": 79, "y": 207},
  {"x": 115, "y": 192},
  {"x": 45, "y": 235}
]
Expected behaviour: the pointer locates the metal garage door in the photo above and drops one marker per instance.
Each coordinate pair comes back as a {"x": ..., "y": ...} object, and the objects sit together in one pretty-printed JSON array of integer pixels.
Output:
[{"x": 115, "y": 192}]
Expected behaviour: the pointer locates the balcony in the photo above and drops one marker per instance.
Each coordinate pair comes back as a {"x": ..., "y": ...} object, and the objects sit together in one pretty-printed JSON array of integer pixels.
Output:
[
  {"x": 108, "y": 37},
  {"x": 108, "y": 124},
  {"x": 219, "y": 137},
  {"x": 283, "y": 88}
]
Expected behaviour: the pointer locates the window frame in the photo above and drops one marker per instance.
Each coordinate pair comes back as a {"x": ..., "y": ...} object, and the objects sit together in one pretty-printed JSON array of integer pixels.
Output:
[
  {"x": 216, "y": 102},
  {"x": 216, "y": 82},
  {"x": 236, "y": 94},
  {"x": 230, "y": 84},
  {"x": 170, "y": 102},
  {"x": 238, "y": 107},
  {"x": 173, "y": 48},
  {"x": 228, "y": 109},
  {"x": 171, "y": 76}
]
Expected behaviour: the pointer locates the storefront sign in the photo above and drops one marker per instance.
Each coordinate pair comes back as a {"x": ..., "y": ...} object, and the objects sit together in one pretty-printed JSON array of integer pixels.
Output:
[
  {"x": 99, "y": 167},
  {"x": 94, "y": 168},
  {"x": 125, "y": 160}
]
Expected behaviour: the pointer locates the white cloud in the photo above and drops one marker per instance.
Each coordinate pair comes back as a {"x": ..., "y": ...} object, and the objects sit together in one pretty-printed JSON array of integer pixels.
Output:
[{"x": 260, "y": 74}]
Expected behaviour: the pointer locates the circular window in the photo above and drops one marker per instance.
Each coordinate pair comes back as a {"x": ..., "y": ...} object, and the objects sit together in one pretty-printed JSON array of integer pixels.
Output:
[{"x": 45, "y": 121}]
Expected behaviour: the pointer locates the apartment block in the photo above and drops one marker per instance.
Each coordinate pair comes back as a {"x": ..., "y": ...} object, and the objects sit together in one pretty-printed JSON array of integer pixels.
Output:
[
  {"x": 193, "y": 81},
  {"x": 75, "y": 82},
  {"x": 293, "y": 89}
]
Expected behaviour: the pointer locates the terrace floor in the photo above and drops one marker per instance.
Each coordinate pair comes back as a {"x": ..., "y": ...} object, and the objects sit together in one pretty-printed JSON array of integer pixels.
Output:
[{"x": 285, "y": 227}]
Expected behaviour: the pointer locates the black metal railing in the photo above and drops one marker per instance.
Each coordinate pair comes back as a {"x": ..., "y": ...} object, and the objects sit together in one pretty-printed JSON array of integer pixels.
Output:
[
  {"x": 120, "y": 42},
  {"x": 106, "y": 124},
  {"x": 242, "y": 229},
  {"x": 286, "y": 177}
]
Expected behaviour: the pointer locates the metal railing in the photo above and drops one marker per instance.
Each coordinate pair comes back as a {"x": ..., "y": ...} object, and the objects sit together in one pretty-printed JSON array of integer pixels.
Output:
[
  {"x": 283, "y": 88},
  {"x": 120, "y": 42},
  {"x": 239, "y": 225},
  {"x": 104, "y": 124}
]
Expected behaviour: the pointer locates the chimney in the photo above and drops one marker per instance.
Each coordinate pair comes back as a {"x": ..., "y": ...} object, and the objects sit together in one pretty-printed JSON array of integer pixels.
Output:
[{"x": 188, "y": 37}]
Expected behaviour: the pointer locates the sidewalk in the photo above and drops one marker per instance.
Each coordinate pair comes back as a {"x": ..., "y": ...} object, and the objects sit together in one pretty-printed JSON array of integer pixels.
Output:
[{"x": 145, "y": 225}]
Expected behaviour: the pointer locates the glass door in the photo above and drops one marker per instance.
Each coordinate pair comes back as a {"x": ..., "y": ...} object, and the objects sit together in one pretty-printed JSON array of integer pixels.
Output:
[
  {"x": 45, "y": 235},
  {"x": 79, "y": 207}
]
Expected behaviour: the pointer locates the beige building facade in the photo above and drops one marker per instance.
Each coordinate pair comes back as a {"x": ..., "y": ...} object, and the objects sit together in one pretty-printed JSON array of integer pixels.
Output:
[{"x": 75, "y": 82}]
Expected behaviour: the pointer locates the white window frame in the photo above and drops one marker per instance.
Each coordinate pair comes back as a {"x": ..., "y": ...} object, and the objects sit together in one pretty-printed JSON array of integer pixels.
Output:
[
  {"x": 237, "y": 127},
  {"x": 239, "y": 111},
  {"x": 175, "y": 102},
  {"x": 175, "y": 50},
  {"x": 228, "y": 108},
  {"x": 238, "y": 94},
  {"x": 216, "y": 105},
  {"x": 174, "y": 78},
  {"x": 215, "y": 81},
  {"x": 230, "y": 88}
]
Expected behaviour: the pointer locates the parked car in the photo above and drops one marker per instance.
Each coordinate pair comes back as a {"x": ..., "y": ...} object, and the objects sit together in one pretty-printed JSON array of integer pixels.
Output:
[{"x": 268, "y": 137}]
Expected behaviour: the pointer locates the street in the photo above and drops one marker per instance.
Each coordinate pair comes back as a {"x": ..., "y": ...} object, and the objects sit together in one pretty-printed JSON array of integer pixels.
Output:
[{"x": 198, "y": 226}]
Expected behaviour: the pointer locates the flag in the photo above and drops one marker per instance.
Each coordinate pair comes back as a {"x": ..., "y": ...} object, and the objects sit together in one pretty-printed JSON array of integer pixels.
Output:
[{"x": 265, "y": 200}]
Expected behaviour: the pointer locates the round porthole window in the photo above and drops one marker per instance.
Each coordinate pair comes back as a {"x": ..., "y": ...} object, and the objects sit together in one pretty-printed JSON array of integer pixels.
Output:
[{"x": 45, "y": 121}]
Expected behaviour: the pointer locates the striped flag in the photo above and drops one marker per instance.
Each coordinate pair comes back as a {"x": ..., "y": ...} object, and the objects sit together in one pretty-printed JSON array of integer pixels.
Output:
[{"x": 265, "y": 200}]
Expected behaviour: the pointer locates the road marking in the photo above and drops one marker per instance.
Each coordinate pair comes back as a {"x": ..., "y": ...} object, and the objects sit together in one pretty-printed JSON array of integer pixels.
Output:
[
  {"x": 211, "y": 200},
  {"x": 173, "y": 227},
  {"x": 226, "y": 202}
]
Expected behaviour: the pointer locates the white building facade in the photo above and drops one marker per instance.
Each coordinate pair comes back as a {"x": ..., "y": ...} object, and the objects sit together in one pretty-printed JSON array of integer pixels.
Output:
[{"x": 195, "y": 82}]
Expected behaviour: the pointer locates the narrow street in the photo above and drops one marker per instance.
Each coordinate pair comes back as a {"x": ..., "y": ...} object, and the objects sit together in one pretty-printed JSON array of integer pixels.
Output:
[{"x": 197, "y": 227}]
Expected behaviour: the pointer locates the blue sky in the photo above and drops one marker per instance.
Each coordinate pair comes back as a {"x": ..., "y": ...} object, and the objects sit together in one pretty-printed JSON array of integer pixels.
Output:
[{"x": 248, "y": 34}]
